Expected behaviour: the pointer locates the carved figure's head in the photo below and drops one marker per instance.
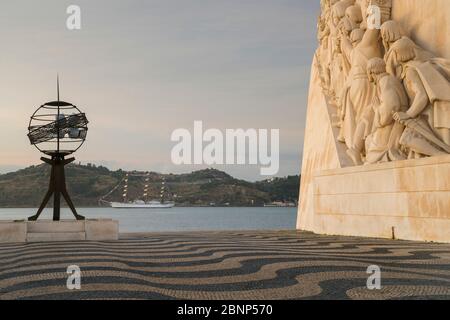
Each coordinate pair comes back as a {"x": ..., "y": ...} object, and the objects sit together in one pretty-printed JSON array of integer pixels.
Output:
[
  {"x": 403, "y": 51},
  {"x": 338, "y": 11},
  {"x": 391, "y": 31},
  {"x": 354, "y": 13}
]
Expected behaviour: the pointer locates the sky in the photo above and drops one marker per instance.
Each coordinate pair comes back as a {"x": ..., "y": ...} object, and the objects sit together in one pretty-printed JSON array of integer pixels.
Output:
[{"x": 142, "y": 69}]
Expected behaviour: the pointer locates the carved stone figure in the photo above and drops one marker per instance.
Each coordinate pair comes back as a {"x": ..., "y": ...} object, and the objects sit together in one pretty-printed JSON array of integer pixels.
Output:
[
  {"x": 383, "y": 144},
  {"x": 391, "y": 32},
  {"x": 339, "y": 67},
  {"x": 325, "y": 52},
  {"x": 358, "y": 92},
  {"x": 351, "y": 22},
  {"x": 427, "y": 120},
  {"x": 354, "y": 14},
  {"x": 390, "y": 110}
]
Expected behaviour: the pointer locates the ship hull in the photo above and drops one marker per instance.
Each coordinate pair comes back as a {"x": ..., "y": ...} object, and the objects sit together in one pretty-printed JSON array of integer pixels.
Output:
[{"x": 120, "y": 205}]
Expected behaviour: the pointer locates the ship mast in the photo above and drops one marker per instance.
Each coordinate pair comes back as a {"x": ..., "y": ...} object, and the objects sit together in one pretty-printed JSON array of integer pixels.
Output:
[
  {"x": 145, "y": 195},
  {"x": 125, "y": 189},
  {"x": 163, "y": 190}
]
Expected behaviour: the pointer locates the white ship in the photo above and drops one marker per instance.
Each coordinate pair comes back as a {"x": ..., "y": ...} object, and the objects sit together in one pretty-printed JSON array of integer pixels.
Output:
[{"x": 141, "y": 204}]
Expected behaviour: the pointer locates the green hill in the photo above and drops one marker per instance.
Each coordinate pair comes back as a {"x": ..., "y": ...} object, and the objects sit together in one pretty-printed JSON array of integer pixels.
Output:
[{"x": 88, "y": 183}]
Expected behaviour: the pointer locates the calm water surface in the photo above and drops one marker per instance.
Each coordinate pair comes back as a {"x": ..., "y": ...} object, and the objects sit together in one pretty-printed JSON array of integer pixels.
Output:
[{"x": 179, "y": 219}]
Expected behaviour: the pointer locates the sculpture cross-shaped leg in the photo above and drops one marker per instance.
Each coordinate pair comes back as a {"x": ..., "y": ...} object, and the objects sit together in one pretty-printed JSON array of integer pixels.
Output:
[{"x": 57, "y": 188}]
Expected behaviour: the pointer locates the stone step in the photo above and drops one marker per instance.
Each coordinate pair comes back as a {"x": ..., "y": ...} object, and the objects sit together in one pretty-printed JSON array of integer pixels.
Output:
[
  {"x": 55, "y": 236},
  {"x": 55, "y": 226},
  {"x": 66, "y": 230}
]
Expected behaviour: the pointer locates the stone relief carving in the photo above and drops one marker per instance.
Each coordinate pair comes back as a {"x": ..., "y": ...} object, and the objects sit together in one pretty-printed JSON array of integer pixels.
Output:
[
  {"x": 383, "y": 143},
  {"x": 392, "y": 97}
]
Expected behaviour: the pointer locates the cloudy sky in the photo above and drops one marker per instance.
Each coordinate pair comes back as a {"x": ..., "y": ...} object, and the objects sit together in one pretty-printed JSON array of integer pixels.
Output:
[{"x": 141, "y": 69}]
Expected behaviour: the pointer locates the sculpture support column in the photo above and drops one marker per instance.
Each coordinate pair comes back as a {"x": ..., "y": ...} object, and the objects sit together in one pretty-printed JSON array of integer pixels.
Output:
[{"x": 56, "y": 188}]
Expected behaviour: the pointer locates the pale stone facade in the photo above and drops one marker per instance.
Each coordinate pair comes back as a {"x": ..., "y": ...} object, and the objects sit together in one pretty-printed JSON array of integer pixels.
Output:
[{"x": 376, "y": 160}]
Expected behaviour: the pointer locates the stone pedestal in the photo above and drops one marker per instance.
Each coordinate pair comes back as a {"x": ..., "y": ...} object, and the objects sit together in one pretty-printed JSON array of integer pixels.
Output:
[
  {"x": 102, "y": 230},
  {"x": 11, "y": 231},
  {"x": 65, "y": 230},
  {"x": 407, "y": 200}
]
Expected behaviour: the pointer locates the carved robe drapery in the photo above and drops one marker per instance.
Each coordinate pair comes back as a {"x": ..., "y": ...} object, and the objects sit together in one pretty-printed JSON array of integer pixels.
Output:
[
  {"x": 383, "y": 144},
  {"x": 437, "y": 109},
  {"x": 357, "y": 95}
]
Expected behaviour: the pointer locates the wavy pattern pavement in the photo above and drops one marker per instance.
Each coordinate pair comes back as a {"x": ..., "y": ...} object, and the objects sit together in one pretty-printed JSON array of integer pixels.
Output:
[{"x": 226, "y": 265}]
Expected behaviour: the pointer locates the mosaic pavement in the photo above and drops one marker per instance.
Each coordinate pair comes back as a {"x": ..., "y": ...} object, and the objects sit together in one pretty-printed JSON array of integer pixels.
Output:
[{"x": 226, "y": 265}]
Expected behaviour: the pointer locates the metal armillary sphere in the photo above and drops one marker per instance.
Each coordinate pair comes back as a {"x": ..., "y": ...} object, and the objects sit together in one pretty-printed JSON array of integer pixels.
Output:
[{"x": 57, "y": 129}]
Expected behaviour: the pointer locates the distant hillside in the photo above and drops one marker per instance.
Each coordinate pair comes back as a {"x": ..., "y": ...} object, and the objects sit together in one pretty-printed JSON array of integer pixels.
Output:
[{"x": 87, "y": 184}]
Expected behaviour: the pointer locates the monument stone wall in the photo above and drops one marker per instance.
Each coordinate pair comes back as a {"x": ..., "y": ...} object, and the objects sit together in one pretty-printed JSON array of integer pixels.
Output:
[
  {"x": 427, "y": 22},
  {"x": 365, "y": 174}
]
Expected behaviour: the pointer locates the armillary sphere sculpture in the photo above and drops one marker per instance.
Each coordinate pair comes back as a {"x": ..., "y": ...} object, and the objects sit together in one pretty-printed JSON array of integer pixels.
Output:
[{"x": 57, "y": 129}]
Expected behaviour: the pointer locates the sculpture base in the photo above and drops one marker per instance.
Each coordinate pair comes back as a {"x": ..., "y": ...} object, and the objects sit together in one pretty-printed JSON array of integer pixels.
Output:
[
  {"x": 51, "y": 231},
  {"x": 408, "y": 200}
]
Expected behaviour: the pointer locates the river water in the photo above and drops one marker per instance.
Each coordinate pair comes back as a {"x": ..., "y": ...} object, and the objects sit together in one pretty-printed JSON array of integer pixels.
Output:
[{"x": 179, "y": 219}]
